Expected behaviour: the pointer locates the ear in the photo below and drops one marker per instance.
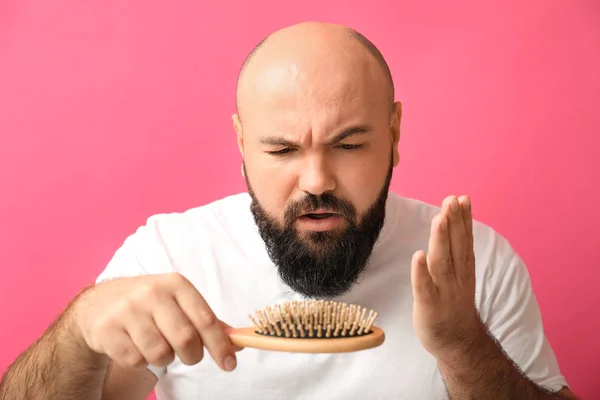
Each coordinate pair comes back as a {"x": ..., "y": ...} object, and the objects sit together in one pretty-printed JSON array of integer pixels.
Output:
[
  {"x": 395, "y": 130},
  {"x": 237, "y": 125}
]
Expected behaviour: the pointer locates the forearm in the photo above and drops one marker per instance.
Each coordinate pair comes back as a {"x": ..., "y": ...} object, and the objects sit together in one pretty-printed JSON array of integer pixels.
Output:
[
  {"x": 484, "y": 371},
  {"x": 56, "y": 367}
]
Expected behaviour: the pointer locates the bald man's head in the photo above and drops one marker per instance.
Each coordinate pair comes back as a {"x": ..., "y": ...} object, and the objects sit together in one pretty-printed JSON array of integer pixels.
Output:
[
  {"x": 319, "y": 141},
  {"x": 311, "y": 31}
]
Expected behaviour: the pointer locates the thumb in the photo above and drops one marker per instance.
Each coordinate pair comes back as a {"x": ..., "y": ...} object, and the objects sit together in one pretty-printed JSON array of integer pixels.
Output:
[
  {"x": 424, "y": 289},
  {"x": 227, "y": 328}
]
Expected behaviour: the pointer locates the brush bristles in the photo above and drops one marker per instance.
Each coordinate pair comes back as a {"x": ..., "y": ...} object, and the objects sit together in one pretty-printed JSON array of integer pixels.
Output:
[{"x": 313, "y": 319}]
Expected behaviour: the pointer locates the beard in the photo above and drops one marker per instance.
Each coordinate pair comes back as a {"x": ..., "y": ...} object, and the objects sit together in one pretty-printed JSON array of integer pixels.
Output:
[{"x": 321, "y": 264}]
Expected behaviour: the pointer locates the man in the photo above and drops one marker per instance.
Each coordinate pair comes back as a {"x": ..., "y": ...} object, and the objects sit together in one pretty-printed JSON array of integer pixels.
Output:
[{"x": 318, "y": 130}]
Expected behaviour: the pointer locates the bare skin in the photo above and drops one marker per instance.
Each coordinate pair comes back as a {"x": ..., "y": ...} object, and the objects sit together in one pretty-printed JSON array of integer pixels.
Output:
[
  {"x": 309, "y": 84},
  {"x": 100, "y": 346},
  {"x": 314, "y": 116},
  {"x": 446, "y": 321},
  {"x": 296, "y": 99}
]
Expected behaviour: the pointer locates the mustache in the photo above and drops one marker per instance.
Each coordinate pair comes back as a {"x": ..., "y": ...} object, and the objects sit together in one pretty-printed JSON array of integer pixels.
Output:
[{"x": 311, "y": 202}]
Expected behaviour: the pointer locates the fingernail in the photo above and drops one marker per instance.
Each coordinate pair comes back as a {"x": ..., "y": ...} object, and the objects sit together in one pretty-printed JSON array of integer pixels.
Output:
[
  {"x": 229, "y": 363},
  {"x": 444, "y": 223},
  {"x": 454, "y": 205},
  {"x": 467, "y": 203}
]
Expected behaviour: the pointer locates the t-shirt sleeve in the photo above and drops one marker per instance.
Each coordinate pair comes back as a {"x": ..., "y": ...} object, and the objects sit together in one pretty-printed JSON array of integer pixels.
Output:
[
  {"x": 513, "y": 316},
  {"x": 142, "y": 253}
]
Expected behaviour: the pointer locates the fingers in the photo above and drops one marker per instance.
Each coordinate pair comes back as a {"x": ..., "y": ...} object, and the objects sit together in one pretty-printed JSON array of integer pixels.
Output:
[
  {"x": 423, "y": 287},
  {"x": 149, "y": 341},
  {"x": 150, "y": 319},
  {"x": 123, "y": 351},
  {"x": 467, "y": 214},
  {"x": 456, "y": 231},
  {"x": 228, "y": 327},
  {"x": 179, "y": 332},
  {"x": 439, "y": 260},
  {"x": 208, "y": 325},
  {"x": 451, "y": 254}
]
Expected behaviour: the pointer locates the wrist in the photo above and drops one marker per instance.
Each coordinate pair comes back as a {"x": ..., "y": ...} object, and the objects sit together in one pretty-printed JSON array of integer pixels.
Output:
[
  {"x": 476, "y": 341},
  {"x": 69, "y": 333}
]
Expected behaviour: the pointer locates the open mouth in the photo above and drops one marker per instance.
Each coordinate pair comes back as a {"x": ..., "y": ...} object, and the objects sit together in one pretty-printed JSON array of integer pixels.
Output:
[
  {"x": 318, "y": 216},
  {"x": 320, "y": 221}
]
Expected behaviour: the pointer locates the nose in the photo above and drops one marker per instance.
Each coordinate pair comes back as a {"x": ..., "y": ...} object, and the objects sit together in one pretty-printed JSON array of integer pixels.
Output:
[{"x": 315, "y": 176}]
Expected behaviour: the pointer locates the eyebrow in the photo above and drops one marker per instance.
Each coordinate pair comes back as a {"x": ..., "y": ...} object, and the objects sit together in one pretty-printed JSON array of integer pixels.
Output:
[{"x": 355, "y": 130}]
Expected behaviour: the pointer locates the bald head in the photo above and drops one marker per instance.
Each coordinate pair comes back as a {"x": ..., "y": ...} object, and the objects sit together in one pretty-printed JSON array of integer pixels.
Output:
[
  {"x": 320, "y": 131},
  {"x": 311, "y": 45}
]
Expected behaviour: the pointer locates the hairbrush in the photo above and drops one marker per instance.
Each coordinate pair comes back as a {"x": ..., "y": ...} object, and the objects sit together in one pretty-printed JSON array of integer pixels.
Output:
[{"x": 310, "y": 326}]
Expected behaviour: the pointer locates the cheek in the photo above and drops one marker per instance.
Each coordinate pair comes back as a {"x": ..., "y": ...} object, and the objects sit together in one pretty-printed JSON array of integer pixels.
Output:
[
  {"x": 364, "y": 182},
  {"x": 272, "y": 187}
]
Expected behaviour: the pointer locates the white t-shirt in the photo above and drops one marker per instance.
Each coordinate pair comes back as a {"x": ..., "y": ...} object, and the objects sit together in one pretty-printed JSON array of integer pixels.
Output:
[{"x": 218, "y": 248}]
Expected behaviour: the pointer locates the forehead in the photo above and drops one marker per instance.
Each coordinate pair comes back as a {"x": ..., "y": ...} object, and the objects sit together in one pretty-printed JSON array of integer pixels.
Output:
[{"x": 295, "y": 92}]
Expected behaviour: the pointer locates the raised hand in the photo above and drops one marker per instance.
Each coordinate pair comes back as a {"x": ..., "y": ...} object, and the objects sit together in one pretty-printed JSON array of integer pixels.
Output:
[{"x": 444, "y": 314}]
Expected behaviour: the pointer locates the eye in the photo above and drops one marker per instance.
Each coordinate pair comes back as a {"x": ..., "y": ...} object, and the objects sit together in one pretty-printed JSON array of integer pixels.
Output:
[
  {"x": 350, "y": 146},
  {"x": 280, "y": 152}
]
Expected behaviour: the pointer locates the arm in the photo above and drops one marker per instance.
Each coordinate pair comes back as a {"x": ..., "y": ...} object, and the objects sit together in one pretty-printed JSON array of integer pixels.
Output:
[
  {"x": 56, "y": 366},
  {"x": 509, "y": 360},
  {"x": 483, "y": 370},
  {"x": 60, "y": 366}
]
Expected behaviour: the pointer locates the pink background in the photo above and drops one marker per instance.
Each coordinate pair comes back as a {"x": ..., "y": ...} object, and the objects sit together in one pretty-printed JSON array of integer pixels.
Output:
[{"x": 111, "y": 111}]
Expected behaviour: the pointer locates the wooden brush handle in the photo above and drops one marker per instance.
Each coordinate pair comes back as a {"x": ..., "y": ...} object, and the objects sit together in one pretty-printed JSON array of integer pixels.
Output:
[{"x": 247, "y": 337}]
